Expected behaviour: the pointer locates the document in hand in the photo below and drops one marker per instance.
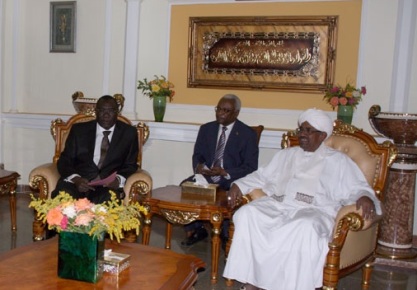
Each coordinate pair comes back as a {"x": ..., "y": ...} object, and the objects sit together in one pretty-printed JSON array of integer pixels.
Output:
[{"x": 104, "y": 181}]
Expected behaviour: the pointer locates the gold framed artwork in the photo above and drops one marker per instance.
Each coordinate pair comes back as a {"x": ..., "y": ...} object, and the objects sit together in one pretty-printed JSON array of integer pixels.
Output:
[
  {"x": 62, "y": 26},
  {"x": 264, "y": 53}
]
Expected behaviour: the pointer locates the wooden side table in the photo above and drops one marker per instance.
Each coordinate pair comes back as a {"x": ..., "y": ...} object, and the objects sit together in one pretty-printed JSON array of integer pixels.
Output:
[
  {"x": 167, "y": 202},
  {"x": 8, "y": 184}
]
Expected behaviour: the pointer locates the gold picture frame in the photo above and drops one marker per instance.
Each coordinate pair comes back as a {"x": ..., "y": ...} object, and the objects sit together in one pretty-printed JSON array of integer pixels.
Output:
[{"x": 264, "y": 53}]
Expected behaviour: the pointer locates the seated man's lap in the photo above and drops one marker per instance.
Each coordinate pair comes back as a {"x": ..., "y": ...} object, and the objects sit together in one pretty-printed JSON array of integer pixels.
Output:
[{"x": 100, "y": 195}]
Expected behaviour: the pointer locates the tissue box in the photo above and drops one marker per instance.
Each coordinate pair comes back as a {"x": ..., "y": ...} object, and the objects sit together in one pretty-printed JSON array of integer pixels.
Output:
[
  {"x": 114, "y": 263},
  {"x": 190, "y": 190}
]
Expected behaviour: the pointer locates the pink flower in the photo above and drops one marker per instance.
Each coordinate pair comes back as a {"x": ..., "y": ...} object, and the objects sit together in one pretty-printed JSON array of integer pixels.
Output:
[
  {"x": 54, "y": 216},
  {"x": 82, "y": 204},
  {"x": 83, "y": 219},
  {"x": 334, "y": 101},
  {"x": 363, "y": 90},
  {"x": 334, "y": 90},
  {"x": 64, "y": 222},
  {"x": 343, "y": 101}
]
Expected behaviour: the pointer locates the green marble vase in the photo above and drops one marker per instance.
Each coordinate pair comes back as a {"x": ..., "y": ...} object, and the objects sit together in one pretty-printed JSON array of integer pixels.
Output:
[
  {"x": 78, "y": 256},
  {"x": 345, "y": 113},
  {"x": 159, "y": 106}
]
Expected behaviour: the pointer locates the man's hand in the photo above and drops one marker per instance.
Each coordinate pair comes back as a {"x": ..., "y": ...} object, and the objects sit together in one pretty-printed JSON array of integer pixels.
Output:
[
  {"x": 214, "y": 171},
  {"x": 115, "y": 184},
  {"x": 368, "y": 207},
  {"x": 82, "y": 184},
  {"x": 200, "y": 168},
  {"x": 234, "y": 195}
]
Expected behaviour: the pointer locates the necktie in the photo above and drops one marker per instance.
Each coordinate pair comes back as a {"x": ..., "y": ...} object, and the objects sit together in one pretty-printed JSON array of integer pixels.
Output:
[
  {"x": 105, "y": 143},
  {"x": 218, "y": 156}
]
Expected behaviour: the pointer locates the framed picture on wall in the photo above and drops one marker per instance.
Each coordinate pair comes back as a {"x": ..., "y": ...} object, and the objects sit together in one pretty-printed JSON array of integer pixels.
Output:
[
  {"x": 62, "y": 26},
  {"x": 286, "y": 53}
]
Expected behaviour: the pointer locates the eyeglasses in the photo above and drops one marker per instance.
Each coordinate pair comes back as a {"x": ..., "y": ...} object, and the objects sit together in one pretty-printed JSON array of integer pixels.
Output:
[
  {"x": 108, "y": 111},
  {"x": 307, "y": 131},
  {"x": 222, "y": 110}
]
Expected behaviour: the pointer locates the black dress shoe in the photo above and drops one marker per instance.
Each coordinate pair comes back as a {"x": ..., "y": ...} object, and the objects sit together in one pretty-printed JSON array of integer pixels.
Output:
[{"x": 199, "y": 235}]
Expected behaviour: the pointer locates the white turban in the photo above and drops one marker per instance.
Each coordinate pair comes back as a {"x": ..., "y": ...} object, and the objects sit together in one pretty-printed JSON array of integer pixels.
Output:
[{"x": 318, "y": 119}]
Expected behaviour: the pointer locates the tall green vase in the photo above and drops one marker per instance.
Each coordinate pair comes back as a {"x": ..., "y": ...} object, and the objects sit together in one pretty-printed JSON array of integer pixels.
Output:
[
  {"x": 345, "y": 113},
  {"x": 78, "y": 256},
  {"x": 159, "y": 105}
]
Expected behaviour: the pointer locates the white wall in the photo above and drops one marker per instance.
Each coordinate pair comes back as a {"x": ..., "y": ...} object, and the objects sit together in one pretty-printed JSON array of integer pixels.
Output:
[{"x": 36, "y": 86}]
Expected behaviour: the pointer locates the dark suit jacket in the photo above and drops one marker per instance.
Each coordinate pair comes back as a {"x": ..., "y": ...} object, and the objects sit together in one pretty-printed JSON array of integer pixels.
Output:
[
  {"x": 240, "y": 154},
  {"x": 77, "y": 157}
]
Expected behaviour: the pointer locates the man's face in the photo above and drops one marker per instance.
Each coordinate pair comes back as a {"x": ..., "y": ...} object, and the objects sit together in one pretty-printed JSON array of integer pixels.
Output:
[
  {"x": 225, "y": 112},
  {"x": 309, "y": 137},
  {"x": 106, "y": 113}
]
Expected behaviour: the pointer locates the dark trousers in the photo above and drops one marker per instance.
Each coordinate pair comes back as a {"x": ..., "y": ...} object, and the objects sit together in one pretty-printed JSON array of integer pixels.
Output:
[
  {"x": 99, "y": 195},
  {"x": 224, "y": 233}
]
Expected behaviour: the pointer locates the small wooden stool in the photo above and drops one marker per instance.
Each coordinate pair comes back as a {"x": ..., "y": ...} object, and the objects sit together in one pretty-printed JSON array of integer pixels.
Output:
[{"x": 8, "y": 184}]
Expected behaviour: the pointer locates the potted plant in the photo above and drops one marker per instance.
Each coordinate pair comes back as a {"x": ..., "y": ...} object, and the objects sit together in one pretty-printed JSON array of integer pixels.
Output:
[
  {"x": 345, "y": 99},
  {"x": 81, "y": 226},
  {"x": 158, "y": 89}
]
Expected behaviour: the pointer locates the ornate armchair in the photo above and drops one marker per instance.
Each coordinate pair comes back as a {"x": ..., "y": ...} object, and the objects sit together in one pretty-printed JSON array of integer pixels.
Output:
[
  {"x": 354, "y": 240},
  {"x": 45, "y": 177}
]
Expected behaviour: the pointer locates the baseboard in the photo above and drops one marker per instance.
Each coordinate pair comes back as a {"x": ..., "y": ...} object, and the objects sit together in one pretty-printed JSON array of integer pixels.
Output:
[{"x": 23, "y": 188}]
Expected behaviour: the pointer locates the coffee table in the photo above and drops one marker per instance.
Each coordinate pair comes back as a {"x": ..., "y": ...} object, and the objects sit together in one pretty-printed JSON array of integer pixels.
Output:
[
  {"x": 167, "y": 202},
  {"x": 35, "y": 267}
]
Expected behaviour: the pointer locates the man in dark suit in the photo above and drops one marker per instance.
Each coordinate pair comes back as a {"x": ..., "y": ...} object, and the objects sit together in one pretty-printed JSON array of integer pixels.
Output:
[
  {"x": 239, "y": 158},
  {"x": 86, "y": 158}
]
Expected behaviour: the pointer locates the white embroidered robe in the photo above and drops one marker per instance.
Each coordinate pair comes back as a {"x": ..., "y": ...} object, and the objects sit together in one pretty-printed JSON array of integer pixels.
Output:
[{"x": 281, "y": 240}]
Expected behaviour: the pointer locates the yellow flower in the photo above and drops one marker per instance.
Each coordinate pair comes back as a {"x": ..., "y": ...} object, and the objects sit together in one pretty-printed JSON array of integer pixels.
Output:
[
  {"x": 345, "y": 96},
  {"x": 63, "y": 213},
  {"x": 159, "y": 86}
]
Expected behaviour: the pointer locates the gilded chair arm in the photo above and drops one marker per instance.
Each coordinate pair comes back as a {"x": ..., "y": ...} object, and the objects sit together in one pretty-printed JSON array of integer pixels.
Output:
[
  {"x": 44, "y": 178},
  {"x": 138, "y": 186},
  {"x": 358, "y": 223}
]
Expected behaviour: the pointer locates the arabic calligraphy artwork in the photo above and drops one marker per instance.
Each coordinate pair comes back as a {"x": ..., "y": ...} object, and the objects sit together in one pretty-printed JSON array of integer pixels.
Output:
[
  {"x": 62, "y": 26},
  {"x": 271, "y": 53}
]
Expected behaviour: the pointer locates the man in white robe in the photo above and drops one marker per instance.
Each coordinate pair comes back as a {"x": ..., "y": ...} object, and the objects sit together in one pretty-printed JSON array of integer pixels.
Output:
[{"x": 281, "y": 239}]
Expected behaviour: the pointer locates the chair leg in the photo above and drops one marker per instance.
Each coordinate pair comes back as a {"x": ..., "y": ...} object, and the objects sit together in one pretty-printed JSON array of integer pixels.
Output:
[
  {"x": 130, "y": 236},
  {"x": 229, "y": 282},
  {"x": 38, "y": 229},
  {"x": 366, "y": 275}
]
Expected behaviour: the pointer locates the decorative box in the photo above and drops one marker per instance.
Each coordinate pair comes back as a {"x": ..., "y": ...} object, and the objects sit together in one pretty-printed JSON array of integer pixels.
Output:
[
  {"x": 190, "y": 190},
  {"x": 114, "y": 263}
]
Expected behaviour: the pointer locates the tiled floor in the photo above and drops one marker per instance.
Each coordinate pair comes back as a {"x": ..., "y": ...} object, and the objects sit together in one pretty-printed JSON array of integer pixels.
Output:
[{"x": 383, "y": 277}]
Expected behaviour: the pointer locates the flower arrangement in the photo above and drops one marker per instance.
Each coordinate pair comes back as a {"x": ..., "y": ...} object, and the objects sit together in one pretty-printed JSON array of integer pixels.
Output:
[
  {"x": 159, "y": 86},
  {"x": 64, "y": 213},
  {"x": 345, "y": 96}
]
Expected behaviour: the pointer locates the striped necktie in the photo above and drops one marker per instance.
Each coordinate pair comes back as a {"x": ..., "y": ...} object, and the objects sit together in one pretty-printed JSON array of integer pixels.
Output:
[
  {"x": 105, "y": 143},
  {"x": 218, "y": 156}
]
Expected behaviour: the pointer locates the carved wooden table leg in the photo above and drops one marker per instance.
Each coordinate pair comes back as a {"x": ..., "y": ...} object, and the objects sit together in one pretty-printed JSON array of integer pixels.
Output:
[
  {"x": 168, "y": 235},
  {"x": 8, "y": 184},
  {"x": 216, "y": 221}
]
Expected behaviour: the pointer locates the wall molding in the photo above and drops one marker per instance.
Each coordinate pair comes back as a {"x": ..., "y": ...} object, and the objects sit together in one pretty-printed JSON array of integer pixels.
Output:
[{"x": 163, "y": 131}]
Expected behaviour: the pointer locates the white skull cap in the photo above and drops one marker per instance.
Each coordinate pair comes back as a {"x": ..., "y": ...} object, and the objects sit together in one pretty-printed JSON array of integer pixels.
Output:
[{"x": 318, "y": 119}]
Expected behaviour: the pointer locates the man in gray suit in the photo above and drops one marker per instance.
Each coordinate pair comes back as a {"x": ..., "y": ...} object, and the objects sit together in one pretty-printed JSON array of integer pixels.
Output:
[{"x": 85, "y": 160}]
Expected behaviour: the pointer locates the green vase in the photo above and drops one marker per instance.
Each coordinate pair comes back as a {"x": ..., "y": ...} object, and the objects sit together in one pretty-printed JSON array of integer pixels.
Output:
[
  {"x": 78, "y": 256},
  {"x": 345, "y": 113},
  {"x": 159, "y": 105}
]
